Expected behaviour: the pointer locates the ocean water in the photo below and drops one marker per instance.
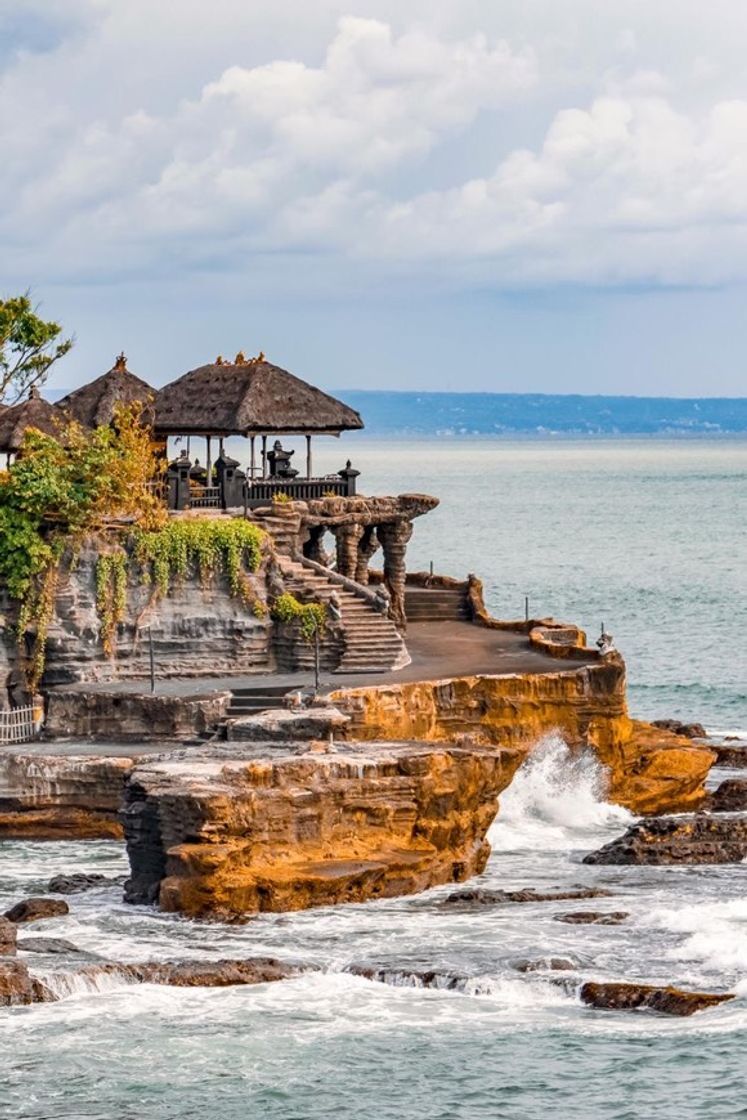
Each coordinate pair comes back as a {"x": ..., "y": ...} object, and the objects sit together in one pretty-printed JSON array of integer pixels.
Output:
[{"x": 648, "y": 537}]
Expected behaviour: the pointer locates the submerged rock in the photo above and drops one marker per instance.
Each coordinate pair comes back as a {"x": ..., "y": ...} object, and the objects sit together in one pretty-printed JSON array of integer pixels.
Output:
[
  {"x": 697, "y": 839},
  {"x": 631, "y": 997},
  {"x": 479, "y": 896},
  {"x": 733, "y": 757},
  {"x": 688, "y": 730},
  {"x": 18, "y": 987},
  {"x": 79, "y": 881},
  {"x": 546, "y": 964},
  {"x": 593, "y": 917},
  {"x": 175, "y": 974},
  {"x": 443, "y": 979},
  {"x": 34, "y": 909},
  {"x": 730, "y": 797},
  {"x": 7, "y": 938},
  {"x": 47, "y": 945}
]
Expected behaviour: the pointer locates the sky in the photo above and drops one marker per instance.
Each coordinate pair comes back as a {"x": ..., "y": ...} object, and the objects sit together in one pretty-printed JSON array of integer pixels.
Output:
[{"x": 505, "y": 195}]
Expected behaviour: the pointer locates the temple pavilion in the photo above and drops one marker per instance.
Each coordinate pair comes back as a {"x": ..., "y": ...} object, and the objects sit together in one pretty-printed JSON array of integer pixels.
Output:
[
  {"x": 94, "y": 404},
  {"x": 257, "y": 400},
  {"x": 34, "y": 412}
]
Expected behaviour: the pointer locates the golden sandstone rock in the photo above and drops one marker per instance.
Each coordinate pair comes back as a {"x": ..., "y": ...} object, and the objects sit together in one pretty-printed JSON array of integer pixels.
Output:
[
  {"x": 231, "y": 835},
  {"x": 651, "y": 770}
]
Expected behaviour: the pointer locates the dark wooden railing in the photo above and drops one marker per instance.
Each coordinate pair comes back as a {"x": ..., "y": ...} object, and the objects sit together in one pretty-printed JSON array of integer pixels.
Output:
[
  {"x": 233, "y": 490},
  {"x": 264, "y": 490}
]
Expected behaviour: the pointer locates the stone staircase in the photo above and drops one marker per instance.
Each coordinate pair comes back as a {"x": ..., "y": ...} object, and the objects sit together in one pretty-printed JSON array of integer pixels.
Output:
[
  {"x": 436, "y": 604},
  {"x": 372, "y": 644},
  {"x": 247, "y": 701}
]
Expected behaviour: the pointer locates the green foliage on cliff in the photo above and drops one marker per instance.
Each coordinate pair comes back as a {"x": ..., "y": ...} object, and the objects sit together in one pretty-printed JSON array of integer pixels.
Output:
[
  {"x": 211, "y": 546},
  {"x": 111, "y": 595},
  {"x": 311, "y": 618},
  {"x": 164, "y": 557},
  {"x": 55, "y": 492}
]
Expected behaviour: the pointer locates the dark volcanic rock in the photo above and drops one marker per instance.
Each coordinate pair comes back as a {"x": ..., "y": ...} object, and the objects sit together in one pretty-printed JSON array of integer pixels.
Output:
[
  {"x": 688, "y": 730},
  {"x": 666, "y": 840},
  {"x": 33, "y": 909},
  {"x": 197, "y": 974},
  {"x": 547, "y": 964},
  {"x": 478, "y": 896},
  {"x": 730, "y": 797},
  {"x": 592, "y": 917},
  {"x": 17, "y": 987},
  {"x": 7, "y": 938},
  {"x": 47, "y": 945},
  {"x": 78, "y": 881},
  {"x": 630, "y": 997},
  {"x": 443, "y": 979},
  {"x": 735, "y": 757}
]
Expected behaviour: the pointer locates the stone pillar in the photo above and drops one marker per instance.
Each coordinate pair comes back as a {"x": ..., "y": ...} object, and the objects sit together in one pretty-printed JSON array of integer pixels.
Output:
[
  {"x": 367, "y": 546},
  {"x": 394, "y": 537},
  {"x": 347, "y": 537},
  {"x": 314, "y": 549}
]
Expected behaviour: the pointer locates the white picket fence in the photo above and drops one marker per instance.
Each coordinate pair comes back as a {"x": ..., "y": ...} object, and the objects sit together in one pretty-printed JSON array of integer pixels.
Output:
[{"x": 20, "y": 725}]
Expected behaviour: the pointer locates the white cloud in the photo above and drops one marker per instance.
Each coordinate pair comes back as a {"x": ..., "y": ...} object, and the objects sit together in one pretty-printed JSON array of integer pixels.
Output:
[{"x": 386, "y": 144}]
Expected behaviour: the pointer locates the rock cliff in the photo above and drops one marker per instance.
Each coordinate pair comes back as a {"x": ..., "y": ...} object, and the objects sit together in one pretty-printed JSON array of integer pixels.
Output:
[
  {"x": 60, "y": 797},
  {"x": 651, "y": 769},
  {"x": 255, "y": 828}
]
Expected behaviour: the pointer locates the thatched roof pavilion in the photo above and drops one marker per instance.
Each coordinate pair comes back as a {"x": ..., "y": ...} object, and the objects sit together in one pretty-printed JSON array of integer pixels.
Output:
[
  {"x": 249, "y": 397},
  {"x": 93, "y": 404},
  {"x": 34, "y": 412}
]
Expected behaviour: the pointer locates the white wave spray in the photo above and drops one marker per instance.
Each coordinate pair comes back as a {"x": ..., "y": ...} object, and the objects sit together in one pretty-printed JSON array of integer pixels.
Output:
[{"x": 556, "y": 801}]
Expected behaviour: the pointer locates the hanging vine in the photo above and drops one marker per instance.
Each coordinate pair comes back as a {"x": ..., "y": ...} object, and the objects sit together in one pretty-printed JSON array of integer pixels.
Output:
[
  {"x": 111, "y": 596},
  {"x": 208, "y": 546}
]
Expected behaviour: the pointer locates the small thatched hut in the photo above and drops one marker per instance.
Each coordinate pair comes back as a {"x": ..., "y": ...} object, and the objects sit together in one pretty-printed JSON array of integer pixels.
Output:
[
  {"x": 249, "y": 398},
  {"x": 93, "y": 404},
  {"x": 34, "y": 412}
]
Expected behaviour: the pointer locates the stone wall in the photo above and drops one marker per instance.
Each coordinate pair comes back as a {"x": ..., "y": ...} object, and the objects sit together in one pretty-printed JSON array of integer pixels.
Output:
[{"x": 132, "y": 716}]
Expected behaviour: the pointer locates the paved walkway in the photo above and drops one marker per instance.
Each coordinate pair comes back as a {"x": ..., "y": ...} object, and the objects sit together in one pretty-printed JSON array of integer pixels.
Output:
[{"x": 438, "y": 650}]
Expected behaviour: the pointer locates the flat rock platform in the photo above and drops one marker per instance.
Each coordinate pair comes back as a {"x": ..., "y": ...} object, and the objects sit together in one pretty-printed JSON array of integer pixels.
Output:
[{"x": 438, "y": 650}]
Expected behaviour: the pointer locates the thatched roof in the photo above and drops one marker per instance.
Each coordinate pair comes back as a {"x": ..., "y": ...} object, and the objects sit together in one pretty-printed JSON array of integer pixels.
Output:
[
  {"x": 31, "y": 413},
  {"x": 245, "y": 397},
  {"x": 93, "y": 404}
]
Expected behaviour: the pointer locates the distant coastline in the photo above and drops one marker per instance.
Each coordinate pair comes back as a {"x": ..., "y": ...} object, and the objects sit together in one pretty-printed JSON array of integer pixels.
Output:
[{"x": 536, "y": 415}]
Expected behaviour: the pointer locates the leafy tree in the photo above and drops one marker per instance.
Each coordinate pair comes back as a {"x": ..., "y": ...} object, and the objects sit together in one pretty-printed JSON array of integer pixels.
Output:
[{"x": 29, "y": 345}]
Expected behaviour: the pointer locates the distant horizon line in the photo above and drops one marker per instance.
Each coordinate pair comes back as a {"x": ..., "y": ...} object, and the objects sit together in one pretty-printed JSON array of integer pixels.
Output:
[{"x": 514, "y": 393}]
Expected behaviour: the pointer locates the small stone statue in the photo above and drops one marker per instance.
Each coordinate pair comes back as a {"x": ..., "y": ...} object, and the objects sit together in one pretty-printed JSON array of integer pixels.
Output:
[{"x": 605, "y": 642}]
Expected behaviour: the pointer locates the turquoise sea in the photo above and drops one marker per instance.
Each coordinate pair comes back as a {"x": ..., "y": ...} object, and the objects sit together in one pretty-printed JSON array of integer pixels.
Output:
[{"x": 645, "y": 535}]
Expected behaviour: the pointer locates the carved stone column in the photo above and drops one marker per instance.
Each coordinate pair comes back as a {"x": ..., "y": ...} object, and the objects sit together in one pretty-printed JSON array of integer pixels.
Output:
[
  {"x": 347, "y": 537},
  {"x": 367, "y": 546},
  {"x": 314, "y": 549},
  {"x": 394, "y": 537}
]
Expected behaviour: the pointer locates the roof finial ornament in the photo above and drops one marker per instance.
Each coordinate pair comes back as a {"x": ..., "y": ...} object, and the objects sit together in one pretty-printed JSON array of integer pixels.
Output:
[
  {"x": 240, "y": 359},
  {"x": 34, "y": 394},
  {"x": 121, "y": 362},
  {"x": 219, "y": 360}
]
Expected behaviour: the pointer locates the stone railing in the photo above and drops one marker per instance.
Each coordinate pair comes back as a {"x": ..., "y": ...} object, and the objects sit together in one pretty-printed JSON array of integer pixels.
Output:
[{"x": 375, "y": 599}]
